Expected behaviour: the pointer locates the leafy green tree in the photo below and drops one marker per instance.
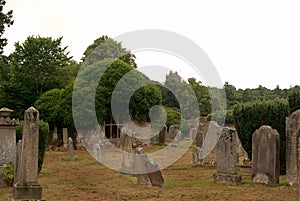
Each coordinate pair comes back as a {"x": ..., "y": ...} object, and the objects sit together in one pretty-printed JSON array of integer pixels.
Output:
[
  {"x": 142, "y": 101},
  {"x": 294, "y": 98},
  {"x": 107, "y": 48},
  {"x": 251, "y": 116},
  {"x": 202, "y": 95},
  {"x": 34, "y": 69},
  {"x": 5, "y": 20}
]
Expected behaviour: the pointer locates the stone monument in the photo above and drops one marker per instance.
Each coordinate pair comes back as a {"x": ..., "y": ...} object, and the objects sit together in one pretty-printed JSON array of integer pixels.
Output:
[
  {"x": 265, "y": 156},
  {"x": 227, "y": 158},
  {"x": 27, "y": 186}
]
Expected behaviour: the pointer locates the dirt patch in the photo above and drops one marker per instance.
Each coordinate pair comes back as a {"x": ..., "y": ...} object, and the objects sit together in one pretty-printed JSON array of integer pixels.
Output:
[{"x": 83, "y": 179}]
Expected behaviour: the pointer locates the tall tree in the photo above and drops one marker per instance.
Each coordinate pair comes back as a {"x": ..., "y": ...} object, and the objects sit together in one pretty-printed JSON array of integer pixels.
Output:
[
  {"x": 107, "y": 48},
  {"x": 35, "y": 66},
  {"x": 5, "y": 20}
]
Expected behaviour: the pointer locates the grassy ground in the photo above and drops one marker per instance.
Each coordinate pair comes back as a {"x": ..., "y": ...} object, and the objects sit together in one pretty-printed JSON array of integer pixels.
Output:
[{"x": 82, "y": 179}]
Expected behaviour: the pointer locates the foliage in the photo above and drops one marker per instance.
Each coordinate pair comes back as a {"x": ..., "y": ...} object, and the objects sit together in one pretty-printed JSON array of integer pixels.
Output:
[
  {"x": 5, "y": 20},
  {"x": 34, "y": 68},
  {"x": 251, "y": 116},
  {"x": 8, "y": 173},
  {"x": 142, "y": 100},
  {"x": 48, "y": 106},
  {"x": 43, "y": 139},
  {"x": 202, "y": 95},
  {"x": 107, "y": 48},
  {"x": 294, "y": 99},
  {"x": 220, "y": 115}
]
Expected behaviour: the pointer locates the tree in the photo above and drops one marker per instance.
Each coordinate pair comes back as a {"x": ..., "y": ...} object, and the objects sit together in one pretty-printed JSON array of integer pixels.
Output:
[
  {"x": 5, "y": 20},
  {"x": 35, "y": 67},
  {"x": 294, "y": 98},
  {"x": 107, "y": 48},
  {"x": 251, "y": 116},
  {"x": 49, "y": 106}
]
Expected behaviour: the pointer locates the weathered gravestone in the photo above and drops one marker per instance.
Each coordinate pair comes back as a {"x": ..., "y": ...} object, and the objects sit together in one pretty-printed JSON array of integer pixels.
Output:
[
  {"x": 292, "y": 131},
  {"x": 198, "y": 156},
  {"x": 265, "y": 156},
  {"x": 176, "y": 140},
  {"x": 65, "y": 137},
  {"x": 7, "y": 139},
  {"x": 227, "y": 158},
  {"x": 140, "y": 167},
  {"x": 71, "y": 148},
  {"x": 27, "y": 186},
  {"x": 97, "y": 153},
  {"x": 126, "y": 147},
  {"x": 154, "y": 173},
  {"x": 173, "y": 130},
  {"x": 162, "y": 136}
]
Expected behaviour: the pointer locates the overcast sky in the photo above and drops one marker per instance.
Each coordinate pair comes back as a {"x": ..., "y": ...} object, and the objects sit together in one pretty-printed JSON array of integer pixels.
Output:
[{"x": 251, "y": 43}]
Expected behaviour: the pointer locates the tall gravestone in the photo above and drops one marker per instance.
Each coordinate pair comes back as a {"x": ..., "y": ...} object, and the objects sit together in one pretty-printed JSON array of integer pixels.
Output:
[
  {"x": 227, "y": 158},
  {"x": 140, "y": 167},
  {"x": 292, "y": 131},
  {"x": 27, "y": 186},
  {"x": 65, "y": 137},
  {"x": 265, "y": 156},
  {"x": 7, "y": 139},
  {"x": 162, "y": 135},
  {"x": 71, "y": 148},
  {"x": 126, "y": 147}
]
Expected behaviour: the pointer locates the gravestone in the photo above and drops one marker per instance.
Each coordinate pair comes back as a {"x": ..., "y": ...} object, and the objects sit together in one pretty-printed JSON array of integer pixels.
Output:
[
  {"x": 65, "y": 138},
  {"x": 162, "y": 136},
  {"x": 54, "y": 134},
  {"x": 154, "y": 173},
  {"x": 176, "y": 140},
  {"x": 227, "y": 158},
  {"x": 126, "y": 147},
  {"x": 97, "y": 153},
  {"x": 173, "y": 130},
  {"x": 140, "y": 167},
  {"x": 27, "y": 186},
  {"x": 292, "y": 130},
  {"x": 265, "y": 156},
  {"x": 7, "y": 139},
  {"x": 71, "y": 148},
  {"x": 197, "y": 156},
  {"x": 193, "y": 133},
  {"x": 18, "y": 160}
]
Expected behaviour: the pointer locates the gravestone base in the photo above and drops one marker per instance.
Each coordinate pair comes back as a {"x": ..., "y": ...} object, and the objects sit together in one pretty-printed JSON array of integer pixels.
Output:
[
  {"x": 229, "y": 179},
  {"x": 27, "y": 192}
]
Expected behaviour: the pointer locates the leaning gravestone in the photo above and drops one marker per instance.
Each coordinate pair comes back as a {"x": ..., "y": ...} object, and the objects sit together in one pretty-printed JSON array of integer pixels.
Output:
[
  {"x": 140, "y": 167},
  {"x": 162, "y": 136},
  {"x": 265, "y": 156},
  {"x": 227, "y": 158},
  {"x": 292, "y": 130},
  {"x": 71, "y": 148},
  {"x": 27, "y": 186},
  {"x": 154, "y": 173}
]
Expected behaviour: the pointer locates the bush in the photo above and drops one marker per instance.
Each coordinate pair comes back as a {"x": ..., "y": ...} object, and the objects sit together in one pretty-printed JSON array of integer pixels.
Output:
[
  {"x": 251, "y": 116},
  {"x": 219, "y": 117},
  {"x": 8, "y": 173},
  {"x": 43, "y": 138},
  {"x": 294, "y": 100}
]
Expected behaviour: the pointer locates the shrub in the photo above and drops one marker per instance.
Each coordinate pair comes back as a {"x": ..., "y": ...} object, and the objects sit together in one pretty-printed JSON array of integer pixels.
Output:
[
  {"x": 294, "y": 100},
  {"x": 251, "y": 116},
  {"x": 8, "y": 173},
  {"x": 43, "y": 138}
]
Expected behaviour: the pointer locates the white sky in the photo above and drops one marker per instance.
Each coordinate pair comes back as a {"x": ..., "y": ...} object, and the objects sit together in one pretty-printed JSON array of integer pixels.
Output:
[{"x": 251, "y": 43}]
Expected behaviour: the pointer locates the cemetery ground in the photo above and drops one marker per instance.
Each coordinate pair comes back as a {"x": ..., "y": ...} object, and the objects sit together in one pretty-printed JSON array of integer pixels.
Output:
[{"x": 83, "y": 179}]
